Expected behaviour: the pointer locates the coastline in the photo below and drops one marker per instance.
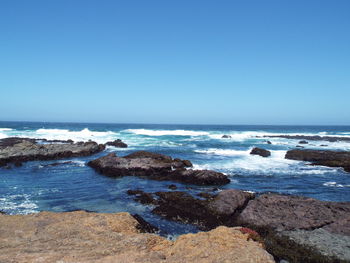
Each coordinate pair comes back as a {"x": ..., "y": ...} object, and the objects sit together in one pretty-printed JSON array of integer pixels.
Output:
[{"x": 284, "y": 228}]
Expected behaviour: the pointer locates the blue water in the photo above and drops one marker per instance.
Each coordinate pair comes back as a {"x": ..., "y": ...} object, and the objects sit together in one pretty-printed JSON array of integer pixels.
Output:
[{"x": 36, "y": 187}]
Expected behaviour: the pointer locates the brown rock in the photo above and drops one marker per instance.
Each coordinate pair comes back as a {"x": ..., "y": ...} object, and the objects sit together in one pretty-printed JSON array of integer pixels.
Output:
[
  {"x": 91, "y": 237},
  {"x": 155, "y": 166},
  {"x": 117, "y": 143}
]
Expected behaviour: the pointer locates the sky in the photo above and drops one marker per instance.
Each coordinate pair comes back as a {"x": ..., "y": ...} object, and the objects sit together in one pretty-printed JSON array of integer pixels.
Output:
[{"x": 192, "y": 62}]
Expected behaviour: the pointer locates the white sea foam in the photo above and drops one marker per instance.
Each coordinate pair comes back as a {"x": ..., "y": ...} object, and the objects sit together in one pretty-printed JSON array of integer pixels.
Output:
[
  {"x": 167, "y": 132},
  {"x": 6, "y": 129},
  {"x": 243, "y": 161},
  {"x": 18, "y": 204},
  {"x": 335, "y": 184},
  {"x": 224, "y": 152}
]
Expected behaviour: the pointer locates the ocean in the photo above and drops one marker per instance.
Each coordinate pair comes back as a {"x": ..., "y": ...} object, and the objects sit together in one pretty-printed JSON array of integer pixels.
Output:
[{"x": 37, "y": 186}]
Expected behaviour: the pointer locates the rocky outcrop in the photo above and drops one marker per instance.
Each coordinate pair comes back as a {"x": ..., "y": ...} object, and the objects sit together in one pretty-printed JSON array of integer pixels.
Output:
[
  {"x": 207, "y": 213},
  {"x": 117, "y": 143},
  {"x": 91, "y": 237},
  {"x": 319, "y": 157},
  {"x": 157, "y": 167},
  {"x": 310, "y": 137},
  {"x": 260, "y": 151},
  {"x": 16, "y": 150},
  {"x": 300, "y": 229},
  {"x": 283, "y": 221},
  {"x": 225, "y": 136}
]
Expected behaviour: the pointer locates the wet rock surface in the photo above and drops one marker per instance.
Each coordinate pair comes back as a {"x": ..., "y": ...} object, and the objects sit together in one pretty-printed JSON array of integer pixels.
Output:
[
  {"x": 157, "y": 167},
  {"x": 260, "y": 151},
  {"x": 17, "y": 150},
  {"x": 320, "y": 157},
  {"x": 117, "y": 143},
  {"x": 91, "y": 237},
  {"x": 283, "y": 221}
]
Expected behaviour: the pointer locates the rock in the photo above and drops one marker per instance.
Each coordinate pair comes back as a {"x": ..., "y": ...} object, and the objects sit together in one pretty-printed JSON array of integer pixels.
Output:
[
  {"x": 303, "y": 142},
  {"x": 260, "y": 151},
  {"x": 157, "y": 167},
  {"x": 209, "y": 213},
  {"x": 117, "y": 143},
  {"x": 292, "y": 227},
  {"x": 172, "y": 187},
  {"x": 142, "y": 197},
  {"x": 228, "y": 202},
  {"x": 299, "y": 146},
  {"x": 309, "y": 137},
  {"x": 93, "y": 237},
  {"x": 288, "y": 212},
  {"x": 143, "y": 226},
  {"x": 226, "y": 136},
  {"x": 320, "y": 157},
  {"x": 28, "y": 150},
  {"x": 268, "y": 142},
  {"x": 323, "y": 145}
]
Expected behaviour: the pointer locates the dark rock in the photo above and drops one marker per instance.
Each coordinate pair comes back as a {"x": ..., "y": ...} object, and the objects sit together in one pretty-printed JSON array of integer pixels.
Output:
[
  {"x": 287, "y": 212},
  {"x": 323, "y": 145},
  {"x": 2, "y": 212},
  {"x": 206, "y": 195},
  {"x": 58, "y": 163},
  {"x": 117, "y": 143},
  {"x": 29, "y": 150},
  {"x": 142, "y": 197},
  {"x": 309, "y": 137},
  {"x": 18, "y": 164},
  {"x": 213, "y": 211},
  {"x": 172, "y": 187},
  {"x": 226, "y": 136},
  {"x": 303, "y": 142},
  {"x": 260, "y": 151},
  {"x": 299, "y": 146},
  {"x": 144, "y": 226},
  {"x": 268, "y": 142},
  {"x": 319, "y": 157},
  {"x": 155, "y": 166}
]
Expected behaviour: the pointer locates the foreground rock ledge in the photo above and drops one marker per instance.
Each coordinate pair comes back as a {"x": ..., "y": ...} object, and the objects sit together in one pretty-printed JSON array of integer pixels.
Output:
[
  {"x": 17, "y": 150},
  {"x": 91, "y": 237},
  {"x": 156, "y": 166}
]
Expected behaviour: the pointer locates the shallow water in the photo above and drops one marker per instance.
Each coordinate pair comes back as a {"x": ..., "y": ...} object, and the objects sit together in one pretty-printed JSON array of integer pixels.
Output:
[{"x": 36, "y": 187}]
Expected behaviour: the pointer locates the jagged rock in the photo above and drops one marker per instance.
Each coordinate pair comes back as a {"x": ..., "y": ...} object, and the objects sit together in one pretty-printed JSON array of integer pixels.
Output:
[
  {"x": 226, "y": 136},
  {"x": 214, "y": 210},
  {"x": 303, "y": 142},
  {"x": 320, "y": 157},
  {"x": 268, "y": 142},
  {"x": 260, "y": 151},
  {"x": 288, "y": 212},
  {"x": 143, "y": 226},
  {"x": 117, "y": 143},
  {"x": 91, "y": 237},
  {"x": 29, "y": 150},
  {"x": 155, "y": 166}
]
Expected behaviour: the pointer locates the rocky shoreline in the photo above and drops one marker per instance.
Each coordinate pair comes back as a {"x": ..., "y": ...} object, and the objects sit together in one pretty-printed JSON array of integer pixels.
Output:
[
  {"x": 90, "y": 237},
  {"x": 292, "y": 228}
]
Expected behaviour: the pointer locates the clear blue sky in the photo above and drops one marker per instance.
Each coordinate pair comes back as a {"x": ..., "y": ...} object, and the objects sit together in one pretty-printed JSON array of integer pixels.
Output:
[{"x": 229, "y": 62}]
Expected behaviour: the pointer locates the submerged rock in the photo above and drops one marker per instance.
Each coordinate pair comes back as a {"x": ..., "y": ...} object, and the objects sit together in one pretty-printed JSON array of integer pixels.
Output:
[
  {"x": 303, "y": 142},
  {"x": 117, "y": 143},
  {"x": 226, "y": 136},
  {"x": 17, "y": 151},
  {"x": 320, "y": 157},
  {"x": 92, "y": 237},
  {"x": 155, "y": 166},
  {"x": 260, "y": 151}
]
